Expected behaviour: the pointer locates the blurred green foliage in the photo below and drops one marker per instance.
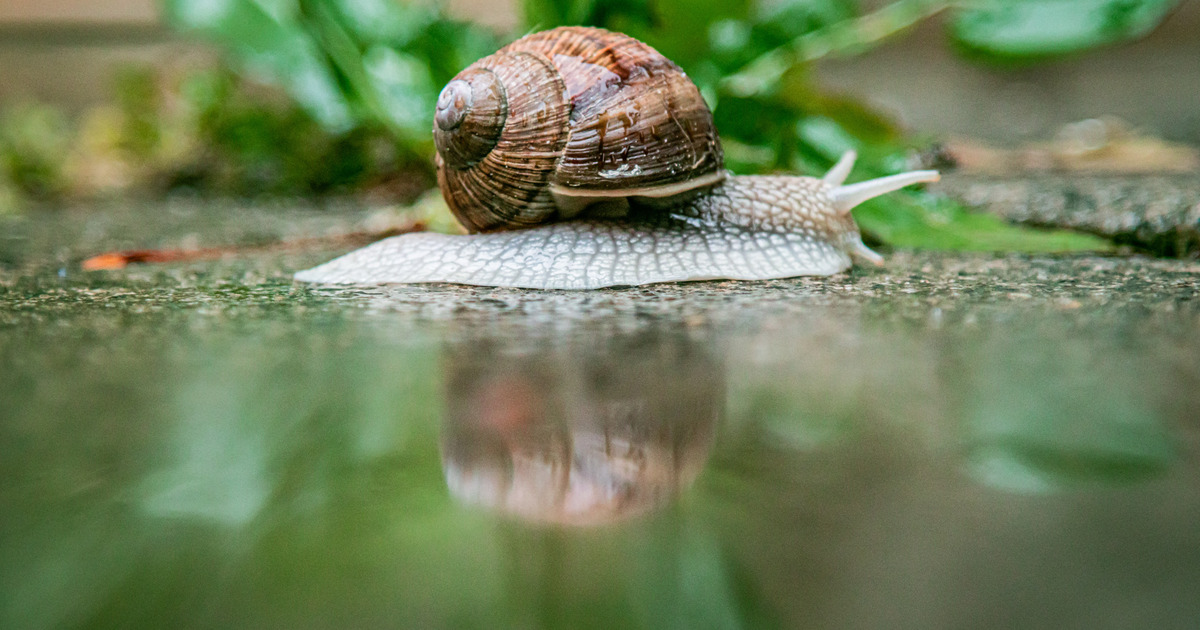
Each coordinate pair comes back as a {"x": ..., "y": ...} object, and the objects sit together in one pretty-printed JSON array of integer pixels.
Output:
[
  {"x": 33, "y": 145},
  {"x": 218, "y": 133},
  {"x": 1029, "y": 29},
  {"x": 362, "y": 77},
  {"x": 374, "y": 64},
  {"x": 379, "y": 63}
]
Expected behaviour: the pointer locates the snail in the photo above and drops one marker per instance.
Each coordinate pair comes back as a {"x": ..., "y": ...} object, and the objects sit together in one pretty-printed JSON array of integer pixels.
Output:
[{"x": 579, "y": 158}]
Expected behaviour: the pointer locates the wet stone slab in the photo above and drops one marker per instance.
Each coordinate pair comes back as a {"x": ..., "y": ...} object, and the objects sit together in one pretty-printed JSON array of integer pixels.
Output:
[{"x": 1156, "y": 214}]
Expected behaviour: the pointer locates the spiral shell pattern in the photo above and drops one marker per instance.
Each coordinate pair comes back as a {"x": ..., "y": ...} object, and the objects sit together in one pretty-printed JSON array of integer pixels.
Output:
[{"x": 572, "y": 114}]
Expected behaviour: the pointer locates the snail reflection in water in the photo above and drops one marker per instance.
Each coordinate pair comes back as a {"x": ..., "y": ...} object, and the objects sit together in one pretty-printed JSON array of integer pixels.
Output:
[
  {"x": 579, "y": 158},
  {"x": 579, "y": 437}
]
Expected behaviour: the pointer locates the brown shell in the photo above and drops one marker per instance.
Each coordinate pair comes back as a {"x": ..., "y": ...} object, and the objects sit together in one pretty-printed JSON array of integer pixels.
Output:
[{"x": 571, "y": 116}]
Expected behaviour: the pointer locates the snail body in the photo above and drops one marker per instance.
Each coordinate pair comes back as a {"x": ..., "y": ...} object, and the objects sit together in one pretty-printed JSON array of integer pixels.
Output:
[{"x": 581, "y": 159}]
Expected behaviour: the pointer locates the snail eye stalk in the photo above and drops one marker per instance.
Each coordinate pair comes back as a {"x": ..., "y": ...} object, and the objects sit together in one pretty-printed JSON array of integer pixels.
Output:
[{"x": 845, "y": 198}]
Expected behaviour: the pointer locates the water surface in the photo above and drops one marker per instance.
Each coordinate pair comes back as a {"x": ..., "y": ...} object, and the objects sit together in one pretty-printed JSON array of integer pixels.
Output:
[{"x": 952, "y": 441}]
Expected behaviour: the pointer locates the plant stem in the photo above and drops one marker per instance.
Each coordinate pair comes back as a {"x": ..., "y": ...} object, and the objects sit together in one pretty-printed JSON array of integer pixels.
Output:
[{"x": 848, "y": 37}]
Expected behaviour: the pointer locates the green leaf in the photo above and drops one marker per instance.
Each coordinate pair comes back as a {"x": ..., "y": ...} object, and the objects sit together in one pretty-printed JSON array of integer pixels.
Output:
[
  {"x": 384, "y": 21},
  {"x": 273, "y": 47},
  {"x": 678, "y": 29},
  {"x": 405, "y": 90},
  {"x": 777, "y": 23},
  {"x": 920, "y": 220},
  {"x": 1040, "y": 28},
  {"x": 446, "y": 47},
  {"x": 824, "y": 135},
  {"x": 544, "y": 14}
]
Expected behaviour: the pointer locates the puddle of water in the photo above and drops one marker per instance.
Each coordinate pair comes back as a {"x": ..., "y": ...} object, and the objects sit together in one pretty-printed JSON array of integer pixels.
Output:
[
  {"x": 946, "y": 442},
  {"x": 277, "y": 457}
]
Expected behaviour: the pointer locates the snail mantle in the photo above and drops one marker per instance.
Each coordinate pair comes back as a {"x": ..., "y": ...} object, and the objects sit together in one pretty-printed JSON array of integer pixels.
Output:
[{"x": 578, "y": 158}]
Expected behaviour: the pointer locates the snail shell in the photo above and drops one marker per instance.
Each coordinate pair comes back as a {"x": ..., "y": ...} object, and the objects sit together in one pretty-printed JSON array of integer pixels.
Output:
[{"x": 567, "y": 118}]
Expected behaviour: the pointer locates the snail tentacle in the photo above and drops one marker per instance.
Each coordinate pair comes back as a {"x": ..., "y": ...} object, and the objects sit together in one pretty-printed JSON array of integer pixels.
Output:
[
  {"x": 845, "y": 198},
  {"x": 840, "y": 171}
]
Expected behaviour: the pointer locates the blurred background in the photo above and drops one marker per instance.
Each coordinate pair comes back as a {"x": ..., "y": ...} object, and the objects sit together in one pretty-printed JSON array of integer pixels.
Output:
[
  {"x": 69, "y": 51},
  {"x": 303, "y": 97},
  {"x": 962, "y": 440}
]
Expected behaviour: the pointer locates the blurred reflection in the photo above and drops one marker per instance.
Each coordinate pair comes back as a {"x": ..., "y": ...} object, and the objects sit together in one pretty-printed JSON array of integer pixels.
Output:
[
  {"x": 288, "y": 471},
  {"x": 583, "y": 434},
  {"x": 1038, "y": 421}
]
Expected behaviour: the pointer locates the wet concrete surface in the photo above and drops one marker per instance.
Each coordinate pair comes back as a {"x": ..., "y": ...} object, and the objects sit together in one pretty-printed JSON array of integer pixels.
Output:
[
  {"x": 948, "y": 441},
  {"x": 40, "y": 256}
]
